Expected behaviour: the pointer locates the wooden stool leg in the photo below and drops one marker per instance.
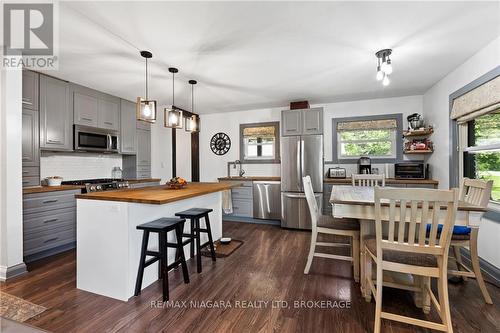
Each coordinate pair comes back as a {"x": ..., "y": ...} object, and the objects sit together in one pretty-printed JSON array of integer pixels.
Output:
[
  {"x": 210, "y": 240},
  {"x": 191, "y": 245},
  {"x": 180, "y": 250},
  {"x": 198, "y": 245},
  {"x": 474, "y": 258},
  {"x": 140, "y": 273},
  {"x": 163, "y": 264}
]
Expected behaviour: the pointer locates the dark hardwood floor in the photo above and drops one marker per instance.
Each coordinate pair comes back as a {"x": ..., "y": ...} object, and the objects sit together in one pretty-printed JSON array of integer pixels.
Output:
[{"x": 267, "y": 267}]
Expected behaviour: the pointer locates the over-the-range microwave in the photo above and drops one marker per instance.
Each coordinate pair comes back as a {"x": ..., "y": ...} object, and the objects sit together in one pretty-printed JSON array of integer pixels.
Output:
[{"x": 95, "y": 139}]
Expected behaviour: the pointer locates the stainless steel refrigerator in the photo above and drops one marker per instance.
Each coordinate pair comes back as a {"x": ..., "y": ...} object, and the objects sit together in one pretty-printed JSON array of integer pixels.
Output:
[{"x": 300, "y": 156}]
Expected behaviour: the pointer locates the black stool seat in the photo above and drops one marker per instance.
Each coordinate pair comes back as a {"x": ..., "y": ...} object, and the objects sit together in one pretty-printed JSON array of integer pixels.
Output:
[
  {"x": 162, "y": 226},
  {"x": 194, "y": 212},
  {"x": 193, "y": 238}
]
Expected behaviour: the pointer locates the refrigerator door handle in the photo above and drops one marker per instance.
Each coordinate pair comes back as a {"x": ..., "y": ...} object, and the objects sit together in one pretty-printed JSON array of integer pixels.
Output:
[{"x": 299, "y": 164}]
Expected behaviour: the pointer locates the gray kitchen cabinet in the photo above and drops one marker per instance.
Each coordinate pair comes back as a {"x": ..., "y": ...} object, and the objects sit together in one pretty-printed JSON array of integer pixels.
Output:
[
  {"x": 291, "y": 122},
  {"x": 49, "y": 223},
  {"x": 30, "y": 90},
  {"x": 109, "y": 113},
  {"x": 143, "y": 147},
  {"x": 242, "y": 199},
  {"x": 56, "y": 118},
  {"x": 312, "y": 121},
  {"x": 30, "y": 138},
  {"x": 85, "y": 108},
  {"x": 128, "y": 132}
]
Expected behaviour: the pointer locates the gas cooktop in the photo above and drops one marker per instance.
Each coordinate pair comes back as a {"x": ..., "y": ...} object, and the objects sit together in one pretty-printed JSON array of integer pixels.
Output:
[{"x": 99, "y": 184}]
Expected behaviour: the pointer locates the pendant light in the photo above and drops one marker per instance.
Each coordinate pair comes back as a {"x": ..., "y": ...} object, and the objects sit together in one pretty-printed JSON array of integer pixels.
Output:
[
  {"x": 193, "y": 122},
  {"x": 146, "y": 108},
  {"x": 173, "y": 116},
  {"x": 384, "y": 66}
]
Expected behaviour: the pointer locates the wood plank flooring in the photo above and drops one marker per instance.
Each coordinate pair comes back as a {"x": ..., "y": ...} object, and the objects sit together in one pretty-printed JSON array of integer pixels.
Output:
[{"x": 267, "y": 267}]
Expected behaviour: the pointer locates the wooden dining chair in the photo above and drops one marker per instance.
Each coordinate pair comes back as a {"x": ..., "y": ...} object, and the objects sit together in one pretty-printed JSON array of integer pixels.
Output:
[
  {"x": 476, "y": 192},
  {"x": 406, "y": 249},
  {"x": 368, "y": 180},
  {"x": 327, "y": 224}
]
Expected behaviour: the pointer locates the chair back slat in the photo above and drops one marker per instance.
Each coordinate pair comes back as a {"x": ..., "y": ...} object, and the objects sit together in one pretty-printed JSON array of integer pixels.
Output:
[
  {"x": 425, "y": 205},
  {"x": 368, "y": 180},
  {"x": 476, "y": 191},
  {"x": 311, "y": 200}
]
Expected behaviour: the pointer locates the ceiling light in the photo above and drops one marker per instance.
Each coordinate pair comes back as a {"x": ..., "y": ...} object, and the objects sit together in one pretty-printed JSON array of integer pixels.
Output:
[
  {"x": 384, "y": 66},
  {"x": 193, "y": 122},
  {"x": 146, "y": 109},
  {"x": 386, "y": 81},
  {"x": 173, "y": 116}
]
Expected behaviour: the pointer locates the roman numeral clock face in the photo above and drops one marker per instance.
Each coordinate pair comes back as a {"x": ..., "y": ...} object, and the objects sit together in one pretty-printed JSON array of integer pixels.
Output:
[{"x": 220, "y": 143}]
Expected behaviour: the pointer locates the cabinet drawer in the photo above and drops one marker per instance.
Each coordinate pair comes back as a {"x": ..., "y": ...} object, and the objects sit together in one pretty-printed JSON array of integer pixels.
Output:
[
  {"x": 32, "y": 171},
  {"x": 33, "y": 223},
  {"x": 242, "y": 208},
  {"x": 49, "y": 240},
  {"x": 39, "y": 202},
  {"x": 31, "y": 181},
  {"x": 241, "y": 193}
]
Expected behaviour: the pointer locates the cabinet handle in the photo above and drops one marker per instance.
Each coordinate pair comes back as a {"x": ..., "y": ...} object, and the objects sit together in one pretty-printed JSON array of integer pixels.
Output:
[
  {"x": 27, "y": 102},
  {"x": 51, "y": 240},
  {"x": 51, "y": 220},
  {"x": 26, "y": 181},
  {"x": 49, "y": 201},
  {"x": 24, "y": 172},
  {"x": 108, "y": 123},
  {"x": 87, "y": 119},
  {"x": 25, "y": 158},
  {"x": 54, "y": 141},
  {"x": 313, "y": 129}
]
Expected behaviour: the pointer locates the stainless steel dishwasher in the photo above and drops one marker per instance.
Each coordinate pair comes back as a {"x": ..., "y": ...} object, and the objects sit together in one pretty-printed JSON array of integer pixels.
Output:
[{"x": 267, "y": 200}]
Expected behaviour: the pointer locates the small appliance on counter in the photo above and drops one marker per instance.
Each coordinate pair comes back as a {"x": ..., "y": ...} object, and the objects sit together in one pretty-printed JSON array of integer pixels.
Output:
[
  {"x": 411, "y": 170},
  {"x": 415, "y": 121},
  {"x": 116, "y": 173},
  {"x": 364, "y": 165},
  {"x": 337, "y": 173}
]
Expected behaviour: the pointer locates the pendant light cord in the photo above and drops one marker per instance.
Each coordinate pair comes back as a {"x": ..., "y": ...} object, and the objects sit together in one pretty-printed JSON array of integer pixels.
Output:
[
  {"x": 147, "y": 97},
  {"x": 173, "y": 89},
  {"x": 192, "y": 98}
]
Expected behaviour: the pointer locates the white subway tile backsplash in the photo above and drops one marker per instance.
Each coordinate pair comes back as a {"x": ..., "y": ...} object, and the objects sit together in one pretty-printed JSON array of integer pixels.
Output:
[
  {"x": 72, "y": 166},
  {"x": 272, "y": 170}
]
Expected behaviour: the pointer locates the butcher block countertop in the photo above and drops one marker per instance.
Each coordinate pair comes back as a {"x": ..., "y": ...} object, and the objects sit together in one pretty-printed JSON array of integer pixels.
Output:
[
  {"x": 43, "y": 189},
  {"x": 252, "y": 178},
  {"x": 158, "y": 195},
  {"x": 387, "y": 181}
]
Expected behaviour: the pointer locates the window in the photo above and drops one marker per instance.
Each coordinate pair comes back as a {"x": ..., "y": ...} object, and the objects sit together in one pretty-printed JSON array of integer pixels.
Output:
[
  {"x": 259, "y": 143},
  {"x": 375, "y": 137},
  {"x": 480, "y": 144}
]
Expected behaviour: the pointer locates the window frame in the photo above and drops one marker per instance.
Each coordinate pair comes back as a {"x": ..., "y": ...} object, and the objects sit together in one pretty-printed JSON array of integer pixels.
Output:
[
  {"x": 276, "y": 159},
  {"x": 398, "y": 139}
]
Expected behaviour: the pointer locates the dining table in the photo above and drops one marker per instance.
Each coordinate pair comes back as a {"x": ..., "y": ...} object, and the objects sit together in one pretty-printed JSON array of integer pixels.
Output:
[{"x": 358, "y": 202}]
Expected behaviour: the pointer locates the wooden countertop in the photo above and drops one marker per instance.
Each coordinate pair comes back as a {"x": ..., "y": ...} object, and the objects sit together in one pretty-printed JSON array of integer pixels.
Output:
[
  {"x": 251, "y": 178},
  {"x": 387, "y": 181},
  {"x": 43, "y": 189},
  {"x": 158, "y": 195}
]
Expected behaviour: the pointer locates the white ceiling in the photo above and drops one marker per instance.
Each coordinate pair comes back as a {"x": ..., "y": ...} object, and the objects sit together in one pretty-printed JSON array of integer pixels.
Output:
[{"x": 254, "y": 55}]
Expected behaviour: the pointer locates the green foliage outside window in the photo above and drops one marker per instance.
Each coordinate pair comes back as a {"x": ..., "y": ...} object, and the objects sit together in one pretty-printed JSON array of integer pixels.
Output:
[{"x": 366, "y": 143}]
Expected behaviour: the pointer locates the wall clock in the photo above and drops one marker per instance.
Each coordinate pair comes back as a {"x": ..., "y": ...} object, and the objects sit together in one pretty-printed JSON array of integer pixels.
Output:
[{"x": 220, "y": 143}]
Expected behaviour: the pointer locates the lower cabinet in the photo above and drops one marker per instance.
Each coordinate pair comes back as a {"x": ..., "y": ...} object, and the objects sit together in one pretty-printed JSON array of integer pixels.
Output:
[
  {"x": 49, "y": 223},
  {"x": 242, "y": 197}
]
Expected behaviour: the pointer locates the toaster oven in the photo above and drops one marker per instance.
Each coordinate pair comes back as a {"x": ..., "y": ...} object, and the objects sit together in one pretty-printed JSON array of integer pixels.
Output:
[
  {"x": 336, "y": 173},
  {"x": 410, "y": 170}
]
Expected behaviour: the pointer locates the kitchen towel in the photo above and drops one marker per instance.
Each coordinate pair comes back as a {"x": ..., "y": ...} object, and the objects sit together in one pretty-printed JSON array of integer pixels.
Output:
[{"x": 227, "y": 202}]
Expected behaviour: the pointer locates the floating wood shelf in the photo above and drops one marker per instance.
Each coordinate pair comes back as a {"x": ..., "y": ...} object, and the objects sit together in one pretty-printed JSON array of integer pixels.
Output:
[
  {"x": 423, "y": 132},
  {"x": 418, "y": 151}
]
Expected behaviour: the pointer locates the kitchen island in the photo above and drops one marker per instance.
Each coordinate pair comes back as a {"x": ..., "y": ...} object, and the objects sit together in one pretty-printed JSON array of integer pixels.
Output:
[{"x": 108, "y": 243}]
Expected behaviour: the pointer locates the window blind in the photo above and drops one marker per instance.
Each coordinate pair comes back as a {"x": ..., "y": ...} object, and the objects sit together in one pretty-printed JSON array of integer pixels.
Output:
[
  {"x": 477, "y": 102},
  {"x": 261, "y": 132},
  {"x": 367, "y": 125}
]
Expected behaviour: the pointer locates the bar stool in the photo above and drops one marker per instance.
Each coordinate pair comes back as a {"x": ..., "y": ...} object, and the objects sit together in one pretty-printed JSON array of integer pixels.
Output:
[
  {"x": 194, "y": 215},
  {"x": 162, "y": 226}
]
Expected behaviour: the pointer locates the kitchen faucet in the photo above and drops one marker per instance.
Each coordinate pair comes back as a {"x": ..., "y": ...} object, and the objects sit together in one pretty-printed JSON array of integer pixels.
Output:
[{"x": 241, "y": 172}]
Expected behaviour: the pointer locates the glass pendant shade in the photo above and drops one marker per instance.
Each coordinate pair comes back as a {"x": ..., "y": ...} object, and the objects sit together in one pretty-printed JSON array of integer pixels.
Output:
[
  {"x": 146, "y": 110},
  {"x": 380, "y": 74},
  {"x": 173, "y": 118},
  {"x": 192, "y": 124}
]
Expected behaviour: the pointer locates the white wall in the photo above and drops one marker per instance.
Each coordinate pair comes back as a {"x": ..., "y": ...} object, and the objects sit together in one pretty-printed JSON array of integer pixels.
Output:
[
  {"x": 11, "y": 221},
  {"x": 73, "y": 165},
  {"x": 161, "y": 149},
  {"x": 436, "y": 110},
  {"x": 213, "y": 166},
  {"x": 183, "y": 154}
]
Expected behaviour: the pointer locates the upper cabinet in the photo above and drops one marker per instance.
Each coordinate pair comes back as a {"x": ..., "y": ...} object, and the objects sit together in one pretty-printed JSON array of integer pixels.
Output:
[
  {"x": 127, "y": 127},
  {"x": 96, "y": 109},
  {"x": 291, "y": 122},
  {"x": 143, "y": 147},
  {"x": 56, "y": 116},
  {"x": 30, "y": 138},
  {"x": 30, "y": 90},
  {"x": 301, "y": 122},
  {"x": 312, "y": 121}
]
